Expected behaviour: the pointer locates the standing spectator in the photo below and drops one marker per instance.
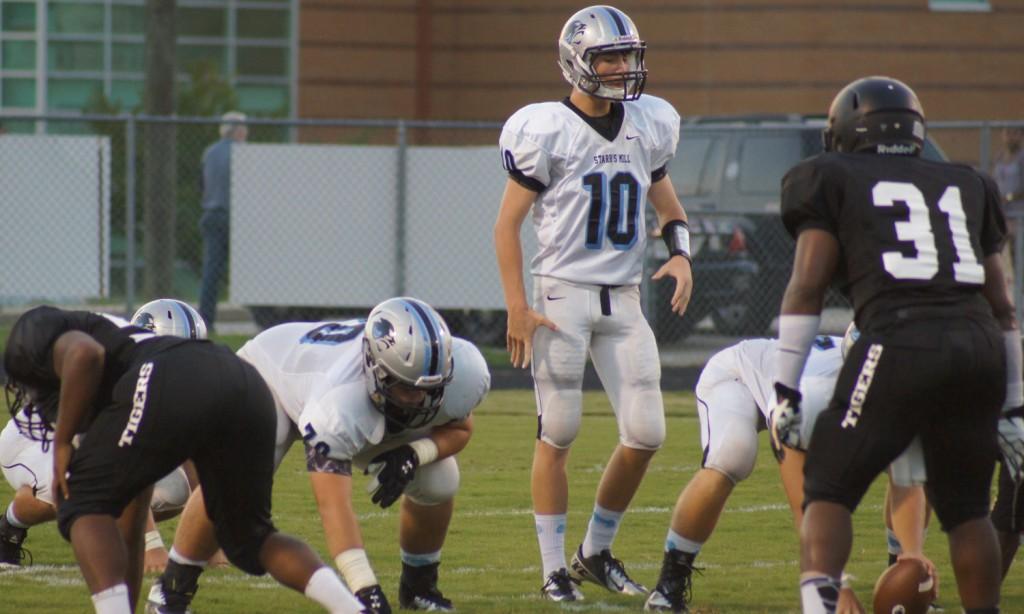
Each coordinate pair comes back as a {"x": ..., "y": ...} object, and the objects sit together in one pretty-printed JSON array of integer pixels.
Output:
[
  {"x": 1009, "y": 175},
  {"x": 585, "y": 166},
  {"x": 216, "y": 182}
]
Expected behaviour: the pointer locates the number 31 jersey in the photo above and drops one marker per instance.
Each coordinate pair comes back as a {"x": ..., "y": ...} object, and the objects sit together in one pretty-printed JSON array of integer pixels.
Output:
[
  {"x": 912, "y": 232},
  {"x": 592, "y": 184}
]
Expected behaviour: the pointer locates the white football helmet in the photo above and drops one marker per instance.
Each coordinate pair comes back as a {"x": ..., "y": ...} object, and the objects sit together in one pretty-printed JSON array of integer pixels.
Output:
[
  {"x": 406, "y": 342},
  {"x": 851, "y": 336},
  {"x": 168, "y": 316},
  {"x": 595, "y": 30}
]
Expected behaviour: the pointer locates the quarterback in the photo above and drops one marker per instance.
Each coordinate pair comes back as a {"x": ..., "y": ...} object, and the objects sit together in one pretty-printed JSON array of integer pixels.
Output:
[
  {"x": 585, "y": 166},
  {"x": 392, "y": 395}
]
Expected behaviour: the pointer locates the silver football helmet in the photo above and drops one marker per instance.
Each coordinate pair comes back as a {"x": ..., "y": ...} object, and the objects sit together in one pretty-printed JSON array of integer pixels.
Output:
[
  {"x": 851, "y": 336},
  {"x": 406, "y": 343},
  {"x": 595, "y": 30},
  {"x": 168, "y": 316}
]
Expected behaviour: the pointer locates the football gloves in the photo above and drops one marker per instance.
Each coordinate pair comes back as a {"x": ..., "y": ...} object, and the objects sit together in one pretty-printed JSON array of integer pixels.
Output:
[
  {"x": 1011, "y": 443},
  {"x": 392, "y": 471},
  {"x": 786, "y": 420},
  {"x": 373, "y": 600}
]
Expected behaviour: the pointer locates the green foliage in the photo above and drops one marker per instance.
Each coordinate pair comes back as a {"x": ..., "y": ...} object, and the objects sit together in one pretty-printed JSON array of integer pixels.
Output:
[{"x": 490, "y": 561}]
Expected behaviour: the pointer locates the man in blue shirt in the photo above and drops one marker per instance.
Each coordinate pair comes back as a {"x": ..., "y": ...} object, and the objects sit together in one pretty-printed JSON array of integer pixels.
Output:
[{"x": 216, "y": 202}]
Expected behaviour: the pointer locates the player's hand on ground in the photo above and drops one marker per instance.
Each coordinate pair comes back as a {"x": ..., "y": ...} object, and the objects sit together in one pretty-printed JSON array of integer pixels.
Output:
[
  {"x": 786, "y": 418},
  {"x": 61, "y": 461},
  {"x": 1011, "y": 443},
  {"x": 155, "y": 560},
  {"x": 679, "y": 269},
  {"x": 373, "y": 600},
  {"x": 848, "y": 602},
  {"x": 392, "y": 471},
  {"x": 519, "y": 336}
]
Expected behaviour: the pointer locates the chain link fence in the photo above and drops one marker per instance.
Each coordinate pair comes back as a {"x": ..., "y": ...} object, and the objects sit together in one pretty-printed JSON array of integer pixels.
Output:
[{"x": 330, "y": 217}]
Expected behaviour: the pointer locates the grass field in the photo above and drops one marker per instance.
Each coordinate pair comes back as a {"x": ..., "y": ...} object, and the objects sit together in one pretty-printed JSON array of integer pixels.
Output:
[{"x": 491, "y": 563}]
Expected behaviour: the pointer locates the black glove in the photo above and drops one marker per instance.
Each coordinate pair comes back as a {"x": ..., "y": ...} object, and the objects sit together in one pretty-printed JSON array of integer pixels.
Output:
[
  {"x": 785, "y": 418},
  {"x": 392, "y": 471},
  {"x": 373, "y": 600}
]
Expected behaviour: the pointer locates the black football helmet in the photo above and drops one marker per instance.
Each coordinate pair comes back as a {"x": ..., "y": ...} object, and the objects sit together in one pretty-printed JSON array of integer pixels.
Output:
[{"x": 878, "y": 115}]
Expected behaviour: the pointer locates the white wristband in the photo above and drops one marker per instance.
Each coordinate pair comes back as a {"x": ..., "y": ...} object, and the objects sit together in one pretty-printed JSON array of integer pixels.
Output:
[
  {"x": 846, "y": 581},
  {"x": 796, "y": 334},
  {"x": 355, "y": 568},
  {"x": 426, "y": 450},
  {"x": 153, "y": 540}
]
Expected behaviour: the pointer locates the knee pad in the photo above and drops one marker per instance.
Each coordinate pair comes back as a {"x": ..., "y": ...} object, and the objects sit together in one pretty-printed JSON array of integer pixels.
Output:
[
  {"x": 733, "y": 453},
  {"x": 171, "y": 493},
  {"x": 642, "y": 421},
  {"x": 435, "y": 483}
]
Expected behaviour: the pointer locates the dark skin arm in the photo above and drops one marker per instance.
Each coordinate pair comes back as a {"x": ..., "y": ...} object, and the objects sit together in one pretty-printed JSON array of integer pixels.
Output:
[
  {"x": 78, "y": 361},
  {"x": 997, "y": 294},
  {"x": 814, "y": 265}
]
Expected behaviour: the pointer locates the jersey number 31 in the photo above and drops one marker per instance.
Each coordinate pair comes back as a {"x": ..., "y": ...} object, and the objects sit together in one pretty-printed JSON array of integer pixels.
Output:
[{"x": 917, "y": 229}]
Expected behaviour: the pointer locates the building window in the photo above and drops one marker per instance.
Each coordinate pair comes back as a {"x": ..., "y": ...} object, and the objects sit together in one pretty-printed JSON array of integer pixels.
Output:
[
  {"x": 959, "y": 5},
  {"x": 98, "y": 46}
]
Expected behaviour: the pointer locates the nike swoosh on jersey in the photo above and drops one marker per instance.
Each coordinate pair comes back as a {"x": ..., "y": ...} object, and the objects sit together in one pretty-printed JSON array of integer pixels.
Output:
[
  {"x": 630, "y": 138},
  {"x": 555, "y": 298}
]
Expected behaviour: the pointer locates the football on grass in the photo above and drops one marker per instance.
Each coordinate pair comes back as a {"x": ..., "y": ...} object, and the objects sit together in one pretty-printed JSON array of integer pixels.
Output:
[{"x": 904, "y": 588}]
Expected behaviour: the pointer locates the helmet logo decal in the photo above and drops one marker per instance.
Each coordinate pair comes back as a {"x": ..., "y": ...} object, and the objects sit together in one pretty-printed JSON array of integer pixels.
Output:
[
  {"x": 145, "y": 320},
  {"x": 383, "y": 333},
  {"x": 576, "y": 31}
]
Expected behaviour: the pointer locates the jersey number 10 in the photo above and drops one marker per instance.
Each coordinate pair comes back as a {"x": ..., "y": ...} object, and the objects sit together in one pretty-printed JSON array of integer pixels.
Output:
[
  {"x": 621, "y": 197},
  {"x": 917, "y": 228}
]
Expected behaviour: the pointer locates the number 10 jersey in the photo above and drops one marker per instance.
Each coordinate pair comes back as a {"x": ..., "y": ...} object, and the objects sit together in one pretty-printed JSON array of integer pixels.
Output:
[{"x": 592, "y": 184}]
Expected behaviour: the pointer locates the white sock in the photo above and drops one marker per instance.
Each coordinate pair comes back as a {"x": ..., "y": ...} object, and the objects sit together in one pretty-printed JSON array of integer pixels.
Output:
[
  {"x": 551, "y": 537},
  {"x": 325, "y": 588},
  {"x": 892, "y": 543},
  {"x": 180, "y": 559},
  {"x": 12, "y": 519},
  {"x": 819, "y": 593},
  {"x": 675, "y": 541},
  {"x": 420, "y": 560},
  {"x": 113, "y": 600},
  {"x": 604, "y": 524}
]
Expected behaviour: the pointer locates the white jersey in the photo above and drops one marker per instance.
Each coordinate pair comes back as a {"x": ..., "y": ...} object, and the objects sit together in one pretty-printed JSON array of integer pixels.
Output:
[
  {"x": 315, "y": 373},
  {"x": 589, "y": 215},
  {"x": 753, "y": 362}
]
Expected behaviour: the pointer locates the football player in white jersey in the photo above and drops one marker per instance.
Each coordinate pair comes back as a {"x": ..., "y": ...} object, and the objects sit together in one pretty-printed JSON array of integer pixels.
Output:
[
  {"x": 392, "y": 395},
  {"x": 586, "y": 166},
  {"x": 27, "y": 463},
  {"x": 735, "y": 393}
]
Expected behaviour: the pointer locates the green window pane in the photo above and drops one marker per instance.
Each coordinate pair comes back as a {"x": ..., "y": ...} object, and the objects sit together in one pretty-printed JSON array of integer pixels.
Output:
[
  {"x": 19, "y": 55},
  {"x": 127, "y": 93},
  {"x": 66, "y": 55},
  {"x": 193, "y": 21},
  {"x": 19, "y": 126},
  {"x": 262, "y": 61},
  {"x": 127, "y": 19},
  {"x": 266, "y": 99},
  {"x": 189, "y": 55},
  {"x": 75, "y": 18},
  {"x": 18, "y": 16},
  {"x": 127, "y": 57},
  {"x": 71, "y": 93},
  {"x": 262, "y": 23},
  {"x": 19, "y": 92}
]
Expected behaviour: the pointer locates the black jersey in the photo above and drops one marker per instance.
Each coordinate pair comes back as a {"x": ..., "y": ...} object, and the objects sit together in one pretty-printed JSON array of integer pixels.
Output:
[
  {"x": 28, "y": 357},
  {"x": 912, "y": 232}
]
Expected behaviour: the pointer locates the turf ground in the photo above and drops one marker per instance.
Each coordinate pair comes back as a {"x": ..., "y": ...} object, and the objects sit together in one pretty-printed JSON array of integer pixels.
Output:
[{"x": 490, "y": 562}]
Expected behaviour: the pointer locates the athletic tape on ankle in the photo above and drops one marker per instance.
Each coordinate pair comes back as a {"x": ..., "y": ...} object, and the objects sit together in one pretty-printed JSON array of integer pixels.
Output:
[
  {"x": 355, "y": 568},
  {"x": 153, "y": 540}
]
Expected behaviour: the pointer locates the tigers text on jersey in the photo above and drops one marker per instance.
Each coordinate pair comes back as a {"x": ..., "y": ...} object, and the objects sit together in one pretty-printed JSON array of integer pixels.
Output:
[
  {"x": 315, "y": 373},
  {"x": 592, "y": 186},
  {"x": 753, "y": 363},
  {"x": 913, "y": 232}
]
